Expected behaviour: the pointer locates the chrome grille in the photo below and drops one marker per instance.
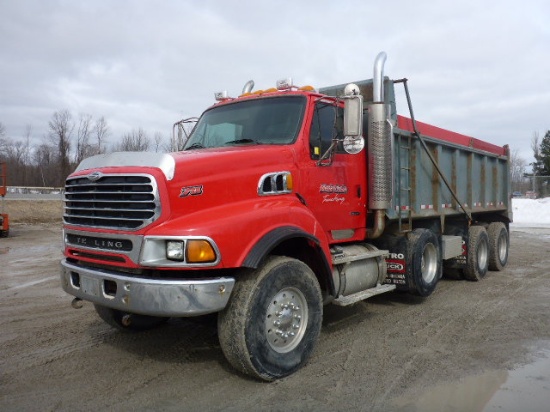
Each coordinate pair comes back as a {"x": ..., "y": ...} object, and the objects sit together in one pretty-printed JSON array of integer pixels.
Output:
[{"x": 111, "y": 201}]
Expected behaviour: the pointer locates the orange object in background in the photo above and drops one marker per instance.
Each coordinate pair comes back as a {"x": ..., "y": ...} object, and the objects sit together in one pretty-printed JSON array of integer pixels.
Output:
[{"x": 4, "y": 220}]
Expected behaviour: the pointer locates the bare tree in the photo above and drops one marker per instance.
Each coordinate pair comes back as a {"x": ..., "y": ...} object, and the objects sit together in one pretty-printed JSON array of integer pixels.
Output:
[
  {"x": 26, "y": 174},
  {"x": 45, "y": 160},
  {"x": 158, "y": 142},
  {"x": 518, "y": 167},
  {"x": 61, "y": 129},
  {"x": 101, "y": 131},
  {"x": 3, "y": 141},
  {"x": 83, "y": 133},
  {"x": 135, "y": 141}
]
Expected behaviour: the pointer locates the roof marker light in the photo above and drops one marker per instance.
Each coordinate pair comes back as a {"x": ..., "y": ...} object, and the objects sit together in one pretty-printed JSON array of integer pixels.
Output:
[
  {"x": 284, "y": 84},
  {"x": 219, "y": 96}
]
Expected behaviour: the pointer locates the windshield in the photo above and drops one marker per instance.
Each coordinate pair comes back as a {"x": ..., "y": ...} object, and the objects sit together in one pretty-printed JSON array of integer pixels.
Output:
[{"x": 273, "y": 120}]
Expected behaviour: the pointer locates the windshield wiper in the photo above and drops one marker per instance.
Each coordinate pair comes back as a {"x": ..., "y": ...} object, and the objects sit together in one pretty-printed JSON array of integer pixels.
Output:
[
  {"x": 195, "y": 146},
  {"x": 241, "y": 141}
]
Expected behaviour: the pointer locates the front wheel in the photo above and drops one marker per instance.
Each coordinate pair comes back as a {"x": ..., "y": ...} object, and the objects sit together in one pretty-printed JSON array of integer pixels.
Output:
[{"x": 272, "y": 322}]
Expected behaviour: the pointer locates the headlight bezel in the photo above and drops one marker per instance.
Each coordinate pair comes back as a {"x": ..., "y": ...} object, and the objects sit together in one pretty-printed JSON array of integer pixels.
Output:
[{"x": 154, "y": 251}]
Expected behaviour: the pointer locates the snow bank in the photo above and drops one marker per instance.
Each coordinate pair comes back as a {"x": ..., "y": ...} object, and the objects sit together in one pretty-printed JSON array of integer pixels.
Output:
[{"x": 531, "y": 211}]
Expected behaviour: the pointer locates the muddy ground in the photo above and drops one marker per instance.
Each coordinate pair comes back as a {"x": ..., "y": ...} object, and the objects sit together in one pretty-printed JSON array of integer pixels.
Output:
[{"x": 451, "y": 351}]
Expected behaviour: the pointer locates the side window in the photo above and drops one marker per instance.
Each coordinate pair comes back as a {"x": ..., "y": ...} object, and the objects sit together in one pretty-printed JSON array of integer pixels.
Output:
[{"x": 327, "y": 124}]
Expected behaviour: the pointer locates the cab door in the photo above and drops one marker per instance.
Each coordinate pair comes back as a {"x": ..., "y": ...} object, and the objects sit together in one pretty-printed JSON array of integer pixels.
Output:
[{"x": 335, "y": 185}]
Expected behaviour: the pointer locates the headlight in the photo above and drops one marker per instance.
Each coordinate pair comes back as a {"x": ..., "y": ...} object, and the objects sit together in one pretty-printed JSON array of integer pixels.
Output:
[
  {"x": 179, "y": 251},
  {"x": 175, "y": 250}
]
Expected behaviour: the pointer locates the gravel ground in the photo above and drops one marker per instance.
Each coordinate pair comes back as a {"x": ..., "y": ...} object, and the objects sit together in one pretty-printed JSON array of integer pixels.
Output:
[{"x": 392, "y": 352}]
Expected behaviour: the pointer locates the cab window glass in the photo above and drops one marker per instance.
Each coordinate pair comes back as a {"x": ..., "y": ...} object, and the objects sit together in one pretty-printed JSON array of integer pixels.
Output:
[{"x": 327, "y": 124}]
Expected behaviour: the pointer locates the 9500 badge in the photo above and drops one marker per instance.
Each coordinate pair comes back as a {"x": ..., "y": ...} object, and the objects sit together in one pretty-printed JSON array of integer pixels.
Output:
[{"x": 196, "y": 190}]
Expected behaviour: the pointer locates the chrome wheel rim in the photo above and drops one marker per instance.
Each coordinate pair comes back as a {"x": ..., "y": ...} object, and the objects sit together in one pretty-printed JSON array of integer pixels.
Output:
[
  {"x": 502, "y": 247},
  {"x": 428, "y": 266},
  {"x": 286, "y": 320},
  {"x": 482, "y": 255}
]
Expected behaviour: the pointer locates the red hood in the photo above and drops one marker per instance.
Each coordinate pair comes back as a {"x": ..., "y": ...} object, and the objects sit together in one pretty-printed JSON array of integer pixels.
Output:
[{"x": 212, "y": 177}]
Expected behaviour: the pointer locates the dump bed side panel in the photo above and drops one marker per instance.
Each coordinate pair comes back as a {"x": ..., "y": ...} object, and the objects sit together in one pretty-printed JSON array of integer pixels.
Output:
[{"x": 477, "y": 171}]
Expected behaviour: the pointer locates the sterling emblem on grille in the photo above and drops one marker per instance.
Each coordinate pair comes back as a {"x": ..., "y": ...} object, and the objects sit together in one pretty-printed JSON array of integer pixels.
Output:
[{"x": 95, "y": 176}]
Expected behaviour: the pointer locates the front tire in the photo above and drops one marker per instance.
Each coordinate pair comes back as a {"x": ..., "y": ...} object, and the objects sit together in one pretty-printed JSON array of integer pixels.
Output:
[
  {"x": 478, "y": 254},
  {"x": 273, "y": 320},
  {"x": 499, "y": 244}
]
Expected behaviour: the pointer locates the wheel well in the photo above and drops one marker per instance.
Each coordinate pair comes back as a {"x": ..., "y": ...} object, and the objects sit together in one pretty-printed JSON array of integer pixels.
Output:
[{"x": 308, "y": 252}]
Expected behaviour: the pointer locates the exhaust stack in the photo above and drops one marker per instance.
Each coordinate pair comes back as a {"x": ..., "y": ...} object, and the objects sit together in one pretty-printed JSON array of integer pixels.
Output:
[
  {"x": 378, "y": 78},
  {"x": 248, "y": 86},
  {"x": 380, "y": 153}
]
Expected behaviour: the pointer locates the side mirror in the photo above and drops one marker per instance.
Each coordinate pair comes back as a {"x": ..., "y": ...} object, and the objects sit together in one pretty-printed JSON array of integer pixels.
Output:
[{"x": 353, "y": 116}]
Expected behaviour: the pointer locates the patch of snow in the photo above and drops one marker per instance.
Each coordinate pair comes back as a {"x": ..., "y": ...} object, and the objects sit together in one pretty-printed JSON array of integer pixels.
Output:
[{"x": 531, "y": 212}]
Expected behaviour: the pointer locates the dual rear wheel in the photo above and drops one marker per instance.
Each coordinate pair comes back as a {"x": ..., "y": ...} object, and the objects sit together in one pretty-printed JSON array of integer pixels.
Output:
[{"x": 487, "y": 250}]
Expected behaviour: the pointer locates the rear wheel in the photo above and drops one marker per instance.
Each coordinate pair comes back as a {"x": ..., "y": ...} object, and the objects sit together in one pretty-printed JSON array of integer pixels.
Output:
[
  {"x": 272, "y": 322},
  {"x": 499, "y": 244},
  {"x": 425, "y": 262},
  {"x": 478, "y": 254},
  {"x": 128, "y": 321}
]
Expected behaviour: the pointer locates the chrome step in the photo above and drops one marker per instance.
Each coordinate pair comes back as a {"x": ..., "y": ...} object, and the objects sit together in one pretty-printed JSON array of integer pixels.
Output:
[
  {"x": 342, "y": 258},
  {"x": 362, "y": 295}
]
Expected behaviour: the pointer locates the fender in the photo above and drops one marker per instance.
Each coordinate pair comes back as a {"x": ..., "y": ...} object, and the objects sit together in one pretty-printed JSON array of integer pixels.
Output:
[
  {"x": 270, "y": 240},
  {"x": 246, "y": 229},
  {"x": 279, "y": 235}
]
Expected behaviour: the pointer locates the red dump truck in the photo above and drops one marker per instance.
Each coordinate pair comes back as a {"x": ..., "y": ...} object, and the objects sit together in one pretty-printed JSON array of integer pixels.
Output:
[{"x": 282, "y": 201}]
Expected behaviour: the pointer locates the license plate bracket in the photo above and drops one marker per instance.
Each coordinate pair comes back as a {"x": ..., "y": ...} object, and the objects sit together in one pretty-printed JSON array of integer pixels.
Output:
[{"x": 89, "y": 286}]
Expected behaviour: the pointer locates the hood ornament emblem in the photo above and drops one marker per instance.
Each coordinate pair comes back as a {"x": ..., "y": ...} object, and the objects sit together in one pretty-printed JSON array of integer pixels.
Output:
[{"x": 95, "y": 176}]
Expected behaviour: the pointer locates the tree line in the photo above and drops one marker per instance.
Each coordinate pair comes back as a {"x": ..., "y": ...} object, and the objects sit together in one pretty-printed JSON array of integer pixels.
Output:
[
  {"x": 540, "y": 176},
  {"x": 67, "y": 142}
]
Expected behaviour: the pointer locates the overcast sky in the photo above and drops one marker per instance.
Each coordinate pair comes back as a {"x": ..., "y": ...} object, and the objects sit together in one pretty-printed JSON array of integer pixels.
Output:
[{"x": 477, "y": 67}]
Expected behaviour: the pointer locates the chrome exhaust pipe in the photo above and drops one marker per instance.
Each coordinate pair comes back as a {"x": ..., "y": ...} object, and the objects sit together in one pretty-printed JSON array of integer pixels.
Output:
[
  {"x": 380, "y": 156},
  {"x": 248, "y": 86},
  {"x": 378, "y": 78}
]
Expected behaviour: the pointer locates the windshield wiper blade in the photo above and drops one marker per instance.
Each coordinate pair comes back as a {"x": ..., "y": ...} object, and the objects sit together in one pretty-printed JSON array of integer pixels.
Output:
[
  {"x": 195, "y": 146},
  {"x": 241, "y": 141}
]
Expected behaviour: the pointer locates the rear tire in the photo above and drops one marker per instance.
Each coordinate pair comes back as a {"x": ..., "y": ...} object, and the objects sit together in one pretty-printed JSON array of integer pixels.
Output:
[
  {"x": 425, "y": 262},
  {"x": 128, "y": 321},
  {"x": 499, "y": 244},
  {"x": 478, "y": 254},
  {"x": 272, "y": 322}
]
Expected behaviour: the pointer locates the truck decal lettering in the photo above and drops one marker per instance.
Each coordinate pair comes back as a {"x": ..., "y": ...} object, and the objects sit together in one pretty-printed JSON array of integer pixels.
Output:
[
  {"x": 396, "y": 265},
  {"x": 196, "y": 190},
  {"x": 328, "y": 188},
  {"x": 335, "y": 199},
  {"x": 397, "y": 256},
  {"x": 99, "y": 243}
]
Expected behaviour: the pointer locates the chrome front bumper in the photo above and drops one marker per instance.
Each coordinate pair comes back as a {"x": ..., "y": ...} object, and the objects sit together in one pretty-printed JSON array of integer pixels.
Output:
[{"x": 155, "y": 297}]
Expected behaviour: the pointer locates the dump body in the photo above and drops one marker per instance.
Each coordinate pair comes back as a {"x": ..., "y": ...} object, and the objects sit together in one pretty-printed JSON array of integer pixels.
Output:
[{"x": 478, "y": 174}]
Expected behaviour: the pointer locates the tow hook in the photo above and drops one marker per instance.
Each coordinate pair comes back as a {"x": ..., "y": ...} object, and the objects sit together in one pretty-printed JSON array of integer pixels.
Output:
[
  {"x": 127, "y": 320},
  {"x": 77, "y": 303}
]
